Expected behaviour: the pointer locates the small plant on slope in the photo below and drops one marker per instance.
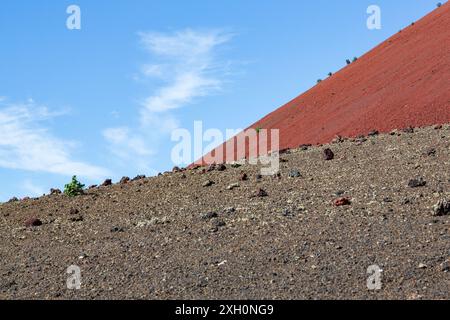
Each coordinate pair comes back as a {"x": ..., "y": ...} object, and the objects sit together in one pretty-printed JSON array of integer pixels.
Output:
[{"x": 74, "y": 188}]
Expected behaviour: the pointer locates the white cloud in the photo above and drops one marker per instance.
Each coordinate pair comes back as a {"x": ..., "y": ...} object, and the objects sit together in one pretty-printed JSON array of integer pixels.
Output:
[
  {"x": 186, "y": 63},
  {"x": 25, "y": 144},
  {"x": 189, "y": 67}
]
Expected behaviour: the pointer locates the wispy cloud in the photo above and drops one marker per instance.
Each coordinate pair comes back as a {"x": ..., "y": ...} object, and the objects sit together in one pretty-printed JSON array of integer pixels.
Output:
[
  {"x": 187, "y": 65},
  {"x": 26, "y": 144}
]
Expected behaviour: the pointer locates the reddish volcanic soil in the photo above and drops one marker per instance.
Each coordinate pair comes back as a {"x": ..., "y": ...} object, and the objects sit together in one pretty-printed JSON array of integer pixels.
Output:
[{"x": 402, "y": 82}]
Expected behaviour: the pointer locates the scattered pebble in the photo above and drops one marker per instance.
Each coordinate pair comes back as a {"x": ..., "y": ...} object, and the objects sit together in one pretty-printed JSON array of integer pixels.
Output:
[
  {"x": 408, "y": 130},
  {"x": 328, "y": 154},
  {"x": 442, "y": 208},
  {"x": 305, "y": 147},
  {"x": 55, "y": 191},
  {"x": 416, "y": 183},
  {"x": 294, "y": 173},
  {"x": 261, "y": 193},
  {"x": 342, "y": 202},
  {"x": 33, "y": 222},
  {"x": 230, "y": 210},
  {"x": 430, "y": 152},
  {"x": 207, "y": 183},
  {"x": 233, "y": 186},
  {"x": 124, "y": 180},
  {"x": 107, "y": 182},
  {"x": 138, "y": 177},
  {"x": 221, "y": 167},
  {"x": 209, "y": 215}
]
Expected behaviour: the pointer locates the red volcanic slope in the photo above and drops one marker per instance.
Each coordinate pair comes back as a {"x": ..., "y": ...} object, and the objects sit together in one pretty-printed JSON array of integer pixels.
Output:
[{"x": 405, "y": 81}]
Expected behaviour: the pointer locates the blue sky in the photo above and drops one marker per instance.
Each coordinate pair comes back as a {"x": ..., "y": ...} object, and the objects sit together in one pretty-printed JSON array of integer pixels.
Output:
[{"x": 102, "y": 101}]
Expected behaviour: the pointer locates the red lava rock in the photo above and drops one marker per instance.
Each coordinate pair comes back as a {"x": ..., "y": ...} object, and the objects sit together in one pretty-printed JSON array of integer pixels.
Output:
[
  {"x": 33, "y": 222},
  {"x": 416, "y": 183},
  {"x": 107, "y": 182},
  {"x": 328, "y": 154},
  {"x": 342, "y": 202},
  {"x": 124, "y": 180}
]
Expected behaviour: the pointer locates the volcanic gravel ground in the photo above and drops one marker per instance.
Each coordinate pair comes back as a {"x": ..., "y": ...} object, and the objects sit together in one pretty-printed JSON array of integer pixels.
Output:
[{"x": 176, "y": 237}]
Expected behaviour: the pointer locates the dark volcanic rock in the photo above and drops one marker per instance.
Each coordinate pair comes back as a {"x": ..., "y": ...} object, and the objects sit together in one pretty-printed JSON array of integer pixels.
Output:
[
  {"x": 55, "y": 191},
  {"x": 416, "y": 183},
  {"x": 124, "y": 180},
  {"x": 261, "y": 193},
  {"x": 107, "y": 182},
  {"x": 328, "y": 154},
  {"x": 442, "y": 208},
  {"x": 221, "y": 167},
  {"x": 294, "y": 173},
  {"x": 208, "y": 215},
  {"x": 342, "y": 202}
]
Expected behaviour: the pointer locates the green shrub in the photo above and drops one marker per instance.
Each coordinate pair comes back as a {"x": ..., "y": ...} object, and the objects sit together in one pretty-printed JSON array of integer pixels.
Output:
[
  {"x": 319, "y": 80},
  {"x": 74, "y": 188}
]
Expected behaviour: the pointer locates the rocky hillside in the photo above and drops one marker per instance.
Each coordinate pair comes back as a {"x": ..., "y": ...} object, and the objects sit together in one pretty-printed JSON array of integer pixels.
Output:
[{"x": 226, "y": 232}]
